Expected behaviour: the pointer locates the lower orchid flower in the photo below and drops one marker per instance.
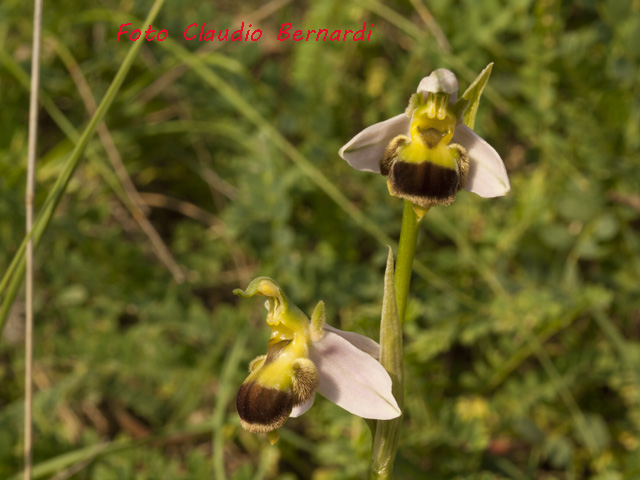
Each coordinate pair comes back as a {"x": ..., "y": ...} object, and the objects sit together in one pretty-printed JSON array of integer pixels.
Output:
[
  {"x": 428, "y": 152},
  {"x": 308, "y": 356}
]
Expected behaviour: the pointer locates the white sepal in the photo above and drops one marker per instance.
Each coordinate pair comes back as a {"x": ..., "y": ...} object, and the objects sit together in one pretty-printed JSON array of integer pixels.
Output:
[
  {"x": 365, "y": 150},
  {"x": 353, "y": 379},
  {"x": 361, "y": 342},
  {"x": 487, "y": 174}
]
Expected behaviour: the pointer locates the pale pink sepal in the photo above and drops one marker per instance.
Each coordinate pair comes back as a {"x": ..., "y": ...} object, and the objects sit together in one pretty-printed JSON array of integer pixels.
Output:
[
  {"x": 365, "y": 150},
  {"x": 353, "y": 379},
  {"x": 487, "y": 174},
  {"x": 363, "y": 343}
]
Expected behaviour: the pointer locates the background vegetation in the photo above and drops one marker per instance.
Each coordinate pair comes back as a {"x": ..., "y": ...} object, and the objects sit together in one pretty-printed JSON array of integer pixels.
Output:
[{"x": 522, "y": 336}]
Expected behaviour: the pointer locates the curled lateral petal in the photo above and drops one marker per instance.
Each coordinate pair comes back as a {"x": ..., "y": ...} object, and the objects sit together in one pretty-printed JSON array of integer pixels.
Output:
[
  {"x": 487, "y": 173},
  {"x": 365, "y": 150},
  {"x": 440, "y": 80},
  {"x": 361, "y": 342},
  {"x": 302, "y": 408},
  {"x": 352, "y": 379}
]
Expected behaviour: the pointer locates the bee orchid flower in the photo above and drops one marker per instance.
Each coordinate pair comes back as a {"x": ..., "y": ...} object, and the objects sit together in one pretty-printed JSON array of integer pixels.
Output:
[
  {"x": 308, "y": 356},
  {"x": 428, "y": 152}
]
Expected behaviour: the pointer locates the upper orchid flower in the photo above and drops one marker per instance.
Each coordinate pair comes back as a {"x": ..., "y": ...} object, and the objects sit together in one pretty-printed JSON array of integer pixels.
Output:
[
  {"x": 428, "y": 152},
  {"x": 306, "y": 356}
]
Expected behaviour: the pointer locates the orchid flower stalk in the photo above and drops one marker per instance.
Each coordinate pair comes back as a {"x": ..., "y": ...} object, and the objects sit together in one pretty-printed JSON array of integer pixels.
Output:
[{"x": 429, "y": 153}]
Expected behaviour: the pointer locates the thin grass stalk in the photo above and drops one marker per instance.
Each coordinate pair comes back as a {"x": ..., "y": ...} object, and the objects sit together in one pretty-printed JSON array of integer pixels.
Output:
[{"x": 29, "y": 195}]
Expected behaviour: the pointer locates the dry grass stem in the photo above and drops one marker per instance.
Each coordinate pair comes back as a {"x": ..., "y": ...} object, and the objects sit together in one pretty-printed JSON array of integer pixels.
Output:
[
  {"x": 432, "y": 25},
  {"x": 138, "y": 209},
  {"x": 29, "y": 197}
]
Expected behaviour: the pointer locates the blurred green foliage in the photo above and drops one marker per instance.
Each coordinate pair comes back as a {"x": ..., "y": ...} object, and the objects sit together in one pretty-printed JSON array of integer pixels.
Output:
[{"x": 522, "y": 338}]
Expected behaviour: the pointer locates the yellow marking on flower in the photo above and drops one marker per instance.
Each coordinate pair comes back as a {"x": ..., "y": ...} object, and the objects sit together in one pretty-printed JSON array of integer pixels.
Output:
[
  {"x": 417, "y": 152},
  {"x": 431, "y": 130},
  {"x": 278, "y": 372},
  {"x": 276, "y": 375},
  {"x": 281, "y": 332}
]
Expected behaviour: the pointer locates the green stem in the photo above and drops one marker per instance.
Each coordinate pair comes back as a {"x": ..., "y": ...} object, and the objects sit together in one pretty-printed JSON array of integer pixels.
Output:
[
  {"x": 404, "y": 260},
  {"x": 385, "y": 439}
]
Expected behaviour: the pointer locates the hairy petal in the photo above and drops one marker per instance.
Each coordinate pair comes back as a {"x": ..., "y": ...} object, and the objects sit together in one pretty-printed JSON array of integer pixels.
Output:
[
  {"x": 487, "y": 174},
  {"x": 352, "y": 379},
  {"x": 364, "y": 151}
]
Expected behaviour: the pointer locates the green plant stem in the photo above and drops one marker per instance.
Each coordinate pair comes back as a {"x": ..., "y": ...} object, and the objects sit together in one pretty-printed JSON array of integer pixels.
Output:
[
  {"x": 404, "y": 260},
  {"x": 385, "y": 439}
]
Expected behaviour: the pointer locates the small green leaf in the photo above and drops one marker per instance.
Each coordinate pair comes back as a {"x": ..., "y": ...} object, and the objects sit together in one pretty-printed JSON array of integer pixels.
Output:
[
  {"x": 473, "y": 94},
  {"x": 391, "y": 332},
  {"x": 385, "y": 440}
]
